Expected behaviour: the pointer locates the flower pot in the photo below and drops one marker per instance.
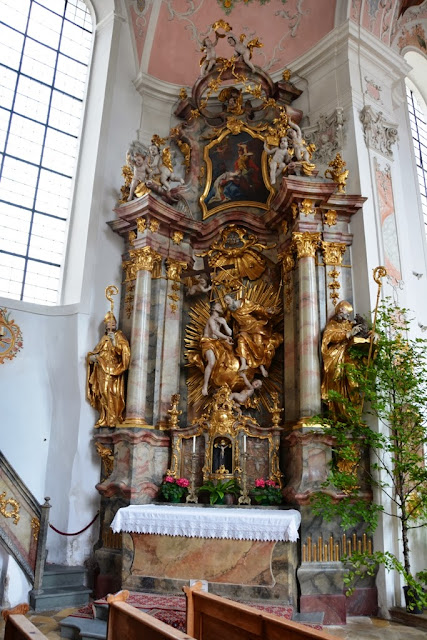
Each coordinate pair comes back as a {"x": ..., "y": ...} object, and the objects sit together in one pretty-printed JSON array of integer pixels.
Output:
[
  {"x": 411, "y": 601},
  {"x": 175, "y": 499}
]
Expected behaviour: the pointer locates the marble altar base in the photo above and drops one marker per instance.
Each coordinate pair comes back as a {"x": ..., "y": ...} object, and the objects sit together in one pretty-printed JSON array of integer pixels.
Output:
[{"x": 243, "y": 569}]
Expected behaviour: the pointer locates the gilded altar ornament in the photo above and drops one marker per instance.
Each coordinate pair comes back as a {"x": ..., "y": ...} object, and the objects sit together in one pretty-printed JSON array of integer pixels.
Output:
[
  {"x": 336, "y": 341},
  {"x": 288, "y": 265},
  {"x": 183, "y": 93},
  {"x": 141, "y": 225},
  {"x": 174, "y": 412},
  {"x": 275, "y": 410},
  {"x": 154, "y": 225},
  {"x": 286, "y": 75},
  {"x": 11, "y": 341},
  {"x": 127, "y": 175},
  {"x": 35, "y": 528},
  {"x": 144, "y": 259},
  {"x": 131, "y": 238},
  {"x": 337, "y": 173},
  {"x": 307, "y": 207},
  {"x": 238, "y": 249},
  {"x": 330, "y": 217},
  {"x": 216, "y": 359},
  {"x": 13, "y": 511},
  {"x": 107, "y": 457},
  {"x": 295, "y": 210},
  {"x": 106, "y": 365},
  {"x": 174, "y": 270},
  {"x": 177, "y": 237}
]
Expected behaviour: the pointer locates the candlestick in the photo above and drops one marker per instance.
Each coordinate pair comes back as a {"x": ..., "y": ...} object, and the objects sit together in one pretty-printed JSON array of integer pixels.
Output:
[
  {"x": 194, "y": 444},
  {"x": 244, "y": 495},
  {"x": 192, "y": 496},
  {"x": 244, "y": 444}
]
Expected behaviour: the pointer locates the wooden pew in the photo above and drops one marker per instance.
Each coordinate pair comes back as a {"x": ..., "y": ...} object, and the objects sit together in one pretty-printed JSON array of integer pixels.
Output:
[
  {"x": 18, "y": 627},
  {"x": 127, "y": 623},
  {"x": 210, "y": 617}
]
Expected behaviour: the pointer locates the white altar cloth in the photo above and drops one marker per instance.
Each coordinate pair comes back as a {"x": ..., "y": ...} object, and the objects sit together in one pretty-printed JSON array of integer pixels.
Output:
[{"x": 208, "y": 522}]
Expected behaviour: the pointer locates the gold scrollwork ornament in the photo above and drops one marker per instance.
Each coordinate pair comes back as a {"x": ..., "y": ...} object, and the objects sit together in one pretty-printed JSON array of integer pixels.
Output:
[
  {"x": 14, "y": 508},
  {"x": 10, "y": 337}
]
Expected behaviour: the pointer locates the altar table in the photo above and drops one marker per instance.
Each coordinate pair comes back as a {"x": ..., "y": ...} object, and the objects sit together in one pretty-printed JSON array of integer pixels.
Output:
[
  {"x": 209, "y": 522},
  {"x": 243, "y": 553}
]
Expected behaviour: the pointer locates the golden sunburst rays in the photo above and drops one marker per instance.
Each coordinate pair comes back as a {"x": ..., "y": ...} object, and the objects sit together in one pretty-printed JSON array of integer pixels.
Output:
[{"x": 260, "y": 292}]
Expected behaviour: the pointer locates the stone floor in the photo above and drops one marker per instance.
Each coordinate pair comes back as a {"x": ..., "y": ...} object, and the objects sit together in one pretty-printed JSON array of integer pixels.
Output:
[{"x": 356, "y": 629}]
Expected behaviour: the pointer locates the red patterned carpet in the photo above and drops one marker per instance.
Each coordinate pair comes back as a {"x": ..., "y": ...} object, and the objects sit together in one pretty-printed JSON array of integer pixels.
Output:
[{"x": 171, "y": 609}]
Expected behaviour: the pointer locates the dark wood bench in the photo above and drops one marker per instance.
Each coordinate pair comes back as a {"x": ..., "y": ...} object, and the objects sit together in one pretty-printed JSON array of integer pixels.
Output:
[
  {"x": 18, "y": 627},
  {"x": 210, "y": 617}
]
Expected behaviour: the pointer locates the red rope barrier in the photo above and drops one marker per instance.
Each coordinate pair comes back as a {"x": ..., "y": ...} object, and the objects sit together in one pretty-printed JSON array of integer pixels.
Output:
[{"x": 62, "y": 533}]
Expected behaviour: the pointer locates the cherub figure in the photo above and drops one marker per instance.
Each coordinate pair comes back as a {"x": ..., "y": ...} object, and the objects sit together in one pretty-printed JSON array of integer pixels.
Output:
[
  {"x": 243, "y": 49},
  {"x": 208, "y": 61},
  {"x": 200, "y": 286},
  {"x": 298, "y": 143},
  {"x": 280, "y": 158},
  {"x": 137, "y": 159},
  {"x": 216, "y": 337},
  {"x": 242, "y": 397},
  {"x": 160, "y": 166}
]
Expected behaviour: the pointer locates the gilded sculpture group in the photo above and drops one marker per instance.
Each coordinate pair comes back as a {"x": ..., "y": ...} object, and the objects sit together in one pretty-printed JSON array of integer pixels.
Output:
[{"x": 235, "y": 362}]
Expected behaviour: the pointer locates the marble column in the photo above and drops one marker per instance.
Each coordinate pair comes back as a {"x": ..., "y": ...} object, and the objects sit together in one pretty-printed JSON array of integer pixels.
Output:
[
  {"x": 144, "y": 262},
  {"x": 289, "y": 337},
  {"x": 167, "y": 372},
  {"x": 333, "y": 253},
  {"x": 306, "y": 243}
]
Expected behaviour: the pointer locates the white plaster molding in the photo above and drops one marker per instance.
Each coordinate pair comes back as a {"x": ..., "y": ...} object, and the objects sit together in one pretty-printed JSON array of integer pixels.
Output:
[
  {"x": 328, "y": 134},
  {"x": 109, "y": 20},
  {"x": 149, "y": 37},
  {"x": 159, "y": 89},
  {"x": 380, "y": 134},
  {"x": 338, "y": 41}
]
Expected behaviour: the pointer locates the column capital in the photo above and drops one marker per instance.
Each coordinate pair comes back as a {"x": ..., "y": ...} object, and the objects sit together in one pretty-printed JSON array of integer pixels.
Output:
[
  {"x": 145, "y": 259},
  {"x": 174, "y": 269},
  {"x": 306, "y": 243},
  {"x": 333, "y": 252}
]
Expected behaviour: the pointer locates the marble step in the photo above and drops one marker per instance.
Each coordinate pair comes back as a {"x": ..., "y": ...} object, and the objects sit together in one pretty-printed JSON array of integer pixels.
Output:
[
  {"x": 83, "y": 628},
  {"x": 56, "y": 575},
  {"x": 310, "y": 617},
  {"x": 59, "y": 598}
]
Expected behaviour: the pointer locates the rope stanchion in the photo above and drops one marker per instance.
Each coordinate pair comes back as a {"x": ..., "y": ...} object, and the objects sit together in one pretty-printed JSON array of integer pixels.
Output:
[{"x": 62, "y": 533}]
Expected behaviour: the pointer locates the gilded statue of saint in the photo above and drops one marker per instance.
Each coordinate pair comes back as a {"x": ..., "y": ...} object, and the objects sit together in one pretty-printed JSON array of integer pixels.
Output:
[
  {"x": 106, "y": 365},
  {"x": 255, "y": 338},
  {"x": 336, "y": 341}
]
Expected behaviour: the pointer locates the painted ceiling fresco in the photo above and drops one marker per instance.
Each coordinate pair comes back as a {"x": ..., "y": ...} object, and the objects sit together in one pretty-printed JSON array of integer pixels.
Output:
[{"x": 168, "y": 33}]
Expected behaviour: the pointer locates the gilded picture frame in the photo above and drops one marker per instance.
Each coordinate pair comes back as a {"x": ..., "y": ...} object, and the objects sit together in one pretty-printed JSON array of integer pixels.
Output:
[{"x": 236, "y": 172}]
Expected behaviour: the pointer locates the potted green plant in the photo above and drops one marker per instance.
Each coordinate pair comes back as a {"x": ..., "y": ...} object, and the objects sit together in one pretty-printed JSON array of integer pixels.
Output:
[
  {"x": 266, "y": 492},
  {"x": 392, "y": 390},
  {"x": 174, "y": 489},
  {"x": 219, "y": 489}
]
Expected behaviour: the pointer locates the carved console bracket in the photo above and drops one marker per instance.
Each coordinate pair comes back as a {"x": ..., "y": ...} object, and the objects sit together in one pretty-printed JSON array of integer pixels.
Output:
[{"x": 380, "y": 135}]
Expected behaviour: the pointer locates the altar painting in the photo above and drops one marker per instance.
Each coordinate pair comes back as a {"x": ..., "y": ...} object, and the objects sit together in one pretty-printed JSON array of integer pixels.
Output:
[{"x": 236, "y": 173}]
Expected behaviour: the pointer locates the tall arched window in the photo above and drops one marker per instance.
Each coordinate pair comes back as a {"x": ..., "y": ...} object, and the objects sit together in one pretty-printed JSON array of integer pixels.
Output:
[{"x": 45, "y": 47}]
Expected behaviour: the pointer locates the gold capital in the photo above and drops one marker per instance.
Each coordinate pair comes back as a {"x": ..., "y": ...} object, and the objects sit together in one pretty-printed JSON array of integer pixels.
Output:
[
  {"x": 333, "y": 252},
  {"x": 306, "y": 243},
  {"x": 174, "y": 269},
  {"x": 145, "y": 259},
  {"x": 141, "y": 224}
]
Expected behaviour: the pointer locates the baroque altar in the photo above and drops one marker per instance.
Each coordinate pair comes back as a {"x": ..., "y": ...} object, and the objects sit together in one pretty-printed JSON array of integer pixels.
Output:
[{"x": 236, "y": 255}]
